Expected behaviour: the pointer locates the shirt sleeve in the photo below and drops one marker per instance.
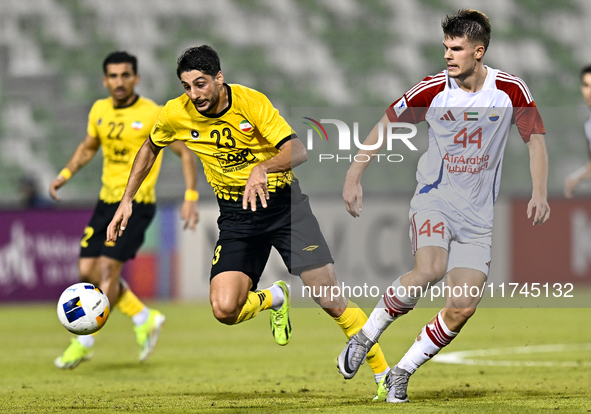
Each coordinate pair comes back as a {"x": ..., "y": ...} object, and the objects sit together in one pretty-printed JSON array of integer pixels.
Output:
[
  {"x": 271, "y": 125},
  {"x": 528, "y": 121},
  {"x": 162, "y": 133},
  {"x": 414, "y": 104},
  {"x": 525, "y": 112},
  {"x": 92, "y": 122},
  {"x": 587, "y": 127}
]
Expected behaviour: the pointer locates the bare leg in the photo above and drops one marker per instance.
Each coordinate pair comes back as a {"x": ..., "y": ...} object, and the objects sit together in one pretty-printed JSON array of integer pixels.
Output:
[
  {"x": 320, "y": 280},
  {"x": 228, "y": 293}
]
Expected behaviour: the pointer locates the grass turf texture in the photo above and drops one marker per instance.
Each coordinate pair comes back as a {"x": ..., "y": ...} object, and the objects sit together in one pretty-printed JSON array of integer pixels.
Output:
[{"x": 203, "y": 366}]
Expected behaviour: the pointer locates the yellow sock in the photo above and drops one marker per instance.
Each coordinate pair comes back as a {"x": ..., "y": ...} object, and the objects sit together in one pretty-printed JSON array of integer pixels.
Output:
[
  {"x": 129, "y": 303},
  {"x": 255, "y": 302},
  {"x": 351, "y": 322}
]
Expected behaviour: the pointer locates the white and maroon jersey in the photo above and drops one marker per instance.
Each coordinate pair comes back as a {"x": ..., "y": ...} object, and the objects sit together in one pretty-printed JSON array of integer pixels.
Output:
[
  {"x": 588, "y": 134},
  {"x": 467, "y": 137}
]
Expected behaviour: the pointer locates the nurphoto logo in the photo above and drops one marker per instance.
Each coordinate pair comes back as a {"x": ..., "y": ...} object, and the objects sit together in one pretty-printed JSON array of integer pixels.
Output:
[{"x": 392, "y": 135}]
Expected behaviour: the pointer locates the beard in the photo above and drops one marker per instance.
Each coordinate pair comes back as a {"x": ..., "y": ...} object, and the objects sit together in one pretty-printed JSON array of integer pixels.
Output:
[{"x": 212, "y": 104}]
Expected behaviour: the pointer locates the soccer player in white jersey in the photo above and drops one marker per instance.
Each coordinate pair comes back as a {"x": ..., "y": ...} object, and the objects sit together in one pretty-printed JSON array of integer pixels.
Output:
[
  {"x": 470, "y": 108},
  {"x": 583, "y": 173}
]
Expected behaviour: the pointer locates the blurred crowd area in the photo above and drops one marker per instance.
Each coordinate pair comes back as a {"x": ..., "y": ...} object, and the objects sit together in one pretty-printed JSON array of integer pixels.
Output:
[{"x": 300, "y": 53}]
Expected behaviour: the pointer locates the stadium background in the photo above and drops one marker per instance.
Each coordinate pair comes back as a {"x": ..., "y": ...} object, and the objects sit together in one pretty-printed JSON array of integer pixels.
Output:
[{"x": 302, "y": 54}]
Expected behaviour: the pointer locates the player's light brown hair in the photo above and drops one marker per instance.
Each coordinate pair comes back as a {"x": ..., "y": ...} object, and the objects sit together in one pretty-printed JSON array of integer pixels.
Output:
[{"x": 470, "y": 23}]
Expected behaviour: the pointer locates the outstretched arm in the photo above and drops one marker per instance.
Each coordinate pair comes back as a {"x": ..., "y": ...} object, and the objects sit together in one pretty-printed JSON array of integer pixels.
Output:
[
  {"x": 291, "y": 154},
  {"x": 352, "y": 191},
  {"x": 83, "y": 154},
  {"x": 190, "y": 209},
  {"x": 538, "y": 157},
  {"x": 571, "y": 182},
  {"x": 142, "y": 164}
]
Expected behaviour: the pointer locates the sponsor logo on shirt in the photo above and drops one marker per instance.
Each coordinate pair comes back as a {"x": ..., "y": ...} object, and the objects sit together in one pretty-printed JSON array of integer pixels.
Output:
[
  {"x": 194, "y": 134},
  {"x": 400, "y": 106},
  {"x": 117, "y": 154},
  {"x": 493, "y": 115},
  {"x": 235, "y": 160},
  {"x": 448, "y": 116},
  {"x": 460, "y": 164}
]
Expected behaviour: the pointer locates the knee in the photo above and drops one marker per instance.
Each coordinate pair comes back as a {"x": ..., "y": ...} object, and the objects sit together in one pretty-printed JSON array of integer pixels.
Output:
[
  {"x": 89, "y": 274},
  {"x": 88, "y": 278},
  {"x": 109, "y": 271},
  {"x": 431, "y": 271},
  {"x": 225, "y": 312},
  {"x": 460, "y": 315}
]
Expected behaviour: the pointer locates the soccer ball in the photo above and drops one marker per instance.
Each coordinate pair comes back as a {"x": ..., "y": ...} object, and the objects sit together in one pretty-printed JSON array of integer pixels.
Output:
[{"x": 83, "y": 308}]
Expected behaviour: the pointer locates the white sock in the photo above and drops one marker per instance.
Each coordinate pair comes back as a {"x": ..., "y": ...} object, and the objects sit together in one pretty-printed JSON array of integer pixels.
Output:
[
  {"x": 431, "y": 340},
  {"x": 86, "y": 340},
  {"x": 379, "y": 319},
  {"x": 394, "y": 303},
  {"x": 141, "y": 317},
  {"x": 278, "y": 296},
  {"x": 381, "y": 375}
]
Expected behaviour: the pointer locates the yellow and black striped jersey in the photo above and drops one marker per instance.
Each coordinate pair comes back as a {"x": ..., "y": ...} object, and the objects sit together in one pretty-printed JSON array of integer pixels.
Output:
[
  {"x": 122, "y": 131},
  {"x": 231, "y": 143}
]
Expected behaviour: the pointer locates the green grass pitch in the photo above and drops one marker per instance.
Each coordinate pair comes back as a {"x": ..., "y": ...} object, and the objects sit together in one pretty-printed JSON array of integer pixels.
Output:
[{"x": 201, "y": 365}]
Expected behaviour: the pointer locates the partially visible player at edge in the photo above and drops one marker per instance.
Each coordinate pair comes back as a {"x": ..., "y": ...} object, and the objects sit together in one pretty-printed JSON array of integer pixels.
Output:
[
  {"x": 248, "y": 151},
  {"x": 583, "y": 173},
  {"x": 470, "y": 108},
  {"x": 120, "y": 124}
]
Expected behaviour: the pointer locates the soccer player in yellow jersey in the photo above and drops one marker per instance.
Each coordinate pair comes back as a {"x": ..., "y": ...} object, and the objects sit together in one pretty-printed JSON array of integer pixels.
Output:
[
  {"x": 120, "y": 124},
  {"x": 248, "y": 151}
]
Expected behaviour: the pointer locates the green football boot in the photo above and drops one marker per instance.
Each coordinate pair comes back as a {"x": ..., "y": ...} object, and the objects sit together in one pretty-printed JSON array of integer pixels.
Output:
[
  {"x": 280, "y": 323},
  {"x": 147, "y": 333},
  {"x": 382, "y": 392},
  {"x": 73, "y": 355}
]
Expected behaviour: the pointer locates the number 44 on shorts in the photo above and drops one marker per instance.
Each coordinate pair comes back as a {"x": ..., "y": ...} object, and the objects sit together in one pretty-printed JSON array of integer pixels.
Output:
[{"x": 427, "y": 229}]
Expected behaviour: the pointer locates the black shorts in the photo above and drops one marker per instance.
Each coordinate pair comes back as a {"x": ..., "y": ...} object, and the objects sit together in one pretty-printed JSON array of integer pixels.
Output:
[
  {"x": 288, "y": 224},
  {"x": 94, "y": 244}
]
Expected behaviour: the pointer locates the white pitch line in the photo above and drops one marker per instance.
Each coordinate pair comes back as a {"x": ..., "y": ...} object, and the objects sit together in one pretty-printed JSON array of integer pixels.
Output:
[{"x": 466, "y": 357}]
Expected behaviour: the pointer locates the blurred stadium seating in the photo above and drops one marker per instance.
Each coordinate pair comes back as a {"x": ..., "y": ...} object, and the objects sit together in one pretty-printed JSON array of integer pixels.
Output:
[{"x": 311, "y": 53}]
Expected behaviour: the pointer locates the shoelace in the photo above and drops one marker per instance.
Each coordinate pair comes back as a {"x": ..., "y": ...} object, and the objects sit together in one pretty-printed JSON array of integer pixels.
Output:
[
  {"x": 399, "y": 382},
  {"x": 277, "y": 318},
  {"x": 358, "y": 353}
]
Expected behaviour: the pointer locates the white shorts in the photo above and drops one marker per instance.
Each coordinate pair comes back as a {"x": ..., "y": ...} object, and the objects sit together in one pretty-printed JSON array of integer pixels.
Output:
[{"x": 434, "y": 223}]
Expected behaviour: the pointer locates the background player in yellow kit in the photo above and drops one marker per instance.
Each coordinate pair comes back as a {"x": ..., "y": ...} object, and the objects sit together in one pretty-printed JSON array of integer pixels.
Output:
[
  {"x": 120, "y": 124},
  {"x": 248, "y": 151}
]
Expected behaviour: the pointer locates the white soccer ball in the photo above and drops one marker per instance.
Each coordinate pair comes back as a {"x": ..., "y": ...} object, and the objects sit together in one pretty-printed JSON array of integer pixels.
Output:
[{"x": 83, "y": 308}]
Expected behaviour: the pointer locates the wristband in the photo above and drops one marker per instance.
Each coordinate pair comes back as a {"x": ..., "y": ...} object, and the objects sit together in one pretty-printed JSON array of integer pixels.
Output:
[
  {"x": 66, "y": 173},
  {"x": 191, "y": 195}
]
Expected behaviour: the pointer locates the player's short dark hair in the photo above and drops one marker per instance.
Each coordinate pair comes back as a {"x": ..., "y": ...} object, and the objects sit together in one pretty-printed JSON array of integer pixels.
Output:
[
  {"x": 120, "y": 57},
  {"x": 470, "y": 23},
  {"x": 201, "y": 58},
  {"x": 585, "y": 70}
]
